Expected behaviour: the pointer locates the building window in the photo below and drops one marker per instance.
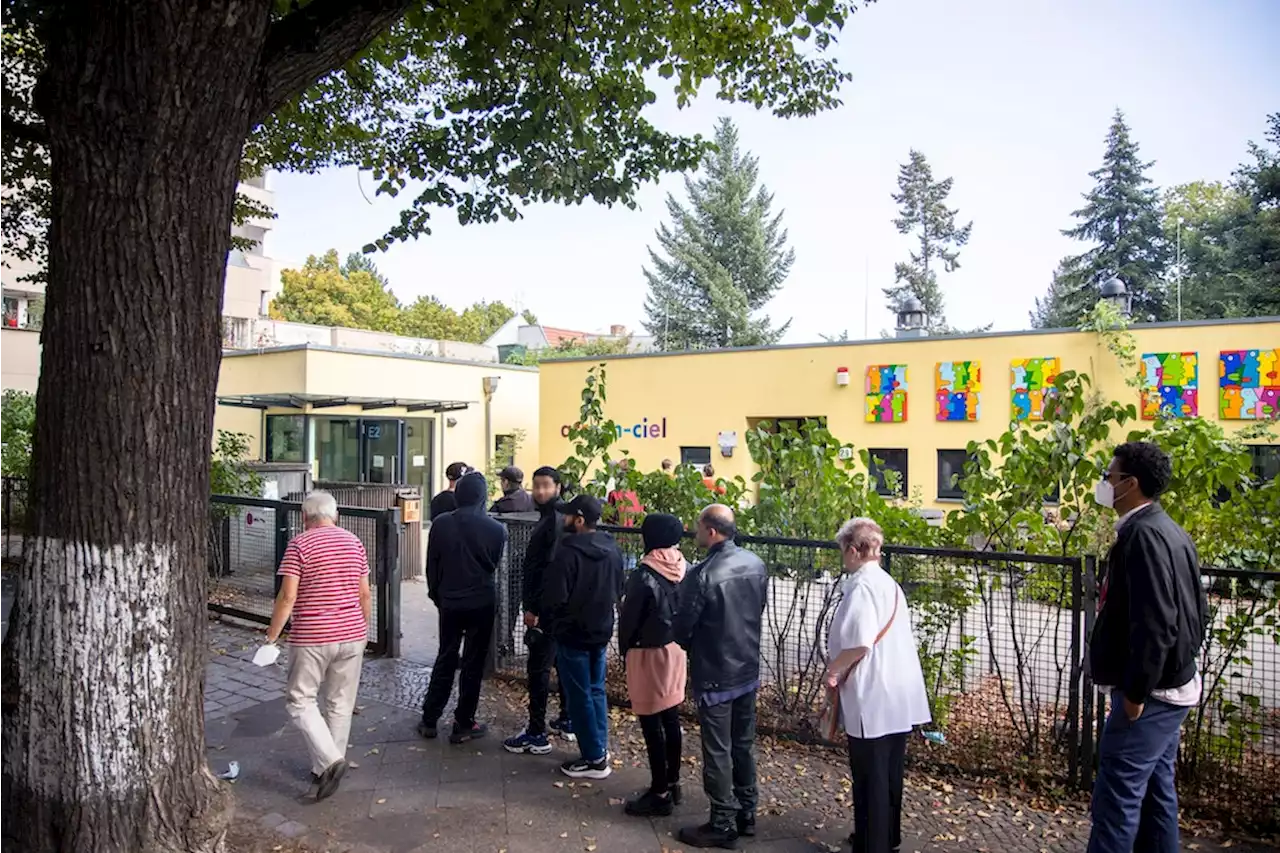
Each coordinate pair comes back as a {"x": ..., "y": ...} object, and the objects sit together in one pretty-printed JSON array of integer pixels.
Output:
[
  {"x": 1266, "y": 461},
  {"x": 286, "y": 438},
  {"x": 886, "y": 460},
  {"x": 950, "y": 470},
  {"x": 504, "y": 450},
  {"x": 695, "y": 456}
]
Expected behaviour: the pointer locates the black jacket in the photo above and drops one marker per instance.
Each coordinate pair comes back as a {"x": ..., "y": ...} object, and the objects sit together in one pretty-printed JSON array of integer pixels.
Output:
[
  {"x": 581, "y": 588},
  {"x": 517, "y": 501},
  {"x": 648, "y": 612},
  {"x": 722, "y": 602},
  {"x": 538, "y": 553},
  {"x": 464, "y": 548},
  {"x": 1154, "y": 609},
  {"x": 443, "y": 502}
]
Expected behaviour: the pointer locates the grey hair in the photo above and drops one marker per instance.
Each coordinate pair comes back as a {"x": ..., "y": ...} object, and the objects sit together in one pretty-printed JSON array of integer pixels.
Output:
[
  {"x": 861, "y": 534},
  {"x": 318, "y": 505}
]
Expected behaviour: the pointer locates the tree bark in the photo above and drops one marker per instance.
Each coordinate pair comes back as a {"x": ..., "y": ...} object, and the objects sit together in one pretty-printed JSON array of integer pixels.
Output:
[{"x": 147, "y": 107}]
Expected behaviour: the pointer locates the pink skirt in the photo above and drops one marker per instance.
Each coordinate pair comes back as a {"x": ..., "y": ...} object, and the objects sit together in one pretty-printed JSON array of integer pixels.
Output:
[{"x": 656, "y": 678}]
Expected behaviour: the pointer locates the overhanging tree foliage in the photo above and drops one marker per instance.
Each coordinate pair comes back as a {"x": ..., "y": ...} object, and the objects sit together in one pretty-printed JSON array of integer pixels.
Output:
[
  {"x": 139, "y": 118},
  {"x": 724, "y": 257},
  {"x": 923, "y": 213}
]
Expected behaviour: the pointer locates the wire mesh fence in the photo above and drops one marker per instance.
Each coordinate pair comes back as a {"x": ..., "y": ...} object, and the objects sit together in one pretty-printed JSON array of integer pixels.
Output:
[
  {"x": 13, "y": 514},
  {"x": 1001, "y": 640},
  {"x": 247, "y": 540}
]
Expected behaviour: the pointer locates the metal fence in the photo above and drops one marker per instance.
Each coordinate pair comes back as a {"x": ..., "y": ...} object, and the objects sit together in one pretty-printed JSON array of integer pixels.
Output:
[
  {"x": 247, "y": 539},
  {"x": 1002, "y": 641},
  {"x": 13, "y": 515}
]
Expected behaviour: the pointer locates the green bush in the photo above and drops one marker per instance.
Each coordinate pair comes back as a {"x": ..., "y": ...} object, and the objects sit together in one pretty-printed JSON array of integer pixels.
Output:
[{"x": 18, "y": 426}]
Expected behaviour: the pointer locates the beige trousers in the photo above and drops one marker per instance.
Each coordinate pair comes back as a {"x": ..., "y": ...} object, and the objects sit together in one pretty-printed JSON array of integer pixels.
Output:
[{"x": 336, "y": 667}]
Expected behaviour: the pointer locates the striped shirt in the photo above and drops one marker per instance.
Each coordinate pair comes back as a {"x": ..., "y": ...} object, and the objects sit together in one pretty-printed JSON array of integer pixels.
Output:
[{"x": 329, "y": 563}]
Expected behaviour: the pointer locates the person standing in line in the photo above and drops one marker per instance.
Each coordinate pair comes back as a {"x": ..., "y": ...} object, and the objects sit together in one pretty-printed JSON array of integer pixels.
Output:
[
  {"x": 709, "y": 480},
  {"x": 623, "y": 500},
  {"x": 446, "y": 501},
  {"x": 580, "y": 591},
  {"x": 655, "y": 663},
  {"x": 325, "y": 589},
  {"x": 722, "y": 601},
  {"x": 874, "y": 662},
  {"x": 514, "y": 497},
  {"x": 538, "y": 554},
  {"x": 668, "y": 467},
  {"x": 1152, "y": 617},
  {"x": 464, "y": 548}
]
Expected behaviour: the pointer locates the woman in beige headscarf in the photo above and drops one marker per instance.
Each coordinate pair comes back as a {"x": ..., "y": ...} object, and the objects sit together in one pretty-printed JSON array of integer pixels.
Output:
[{"x": 656, "y": 665}]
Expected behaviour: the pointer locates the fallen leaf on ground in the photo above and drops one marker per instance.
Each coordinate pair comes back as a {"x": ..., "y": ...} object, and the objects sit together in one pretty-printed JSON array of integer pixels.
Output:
[{"x": 381, "y": 801}]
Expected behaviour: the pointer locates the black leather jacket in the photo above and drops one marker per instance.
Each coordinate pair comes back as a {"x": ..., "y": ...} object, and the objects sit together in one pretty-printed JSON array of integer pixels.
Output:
[
  {"x": 722, "y": 602},
  {"x": 648, "y": 611}
]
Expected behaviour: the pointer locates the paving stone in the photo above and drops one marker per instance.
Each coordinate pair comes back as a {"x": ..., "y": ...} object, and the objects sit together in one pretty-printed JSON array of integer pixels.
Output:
[
  {"x": 292, "y": 829},
  {"x": 272, "y": 820}
]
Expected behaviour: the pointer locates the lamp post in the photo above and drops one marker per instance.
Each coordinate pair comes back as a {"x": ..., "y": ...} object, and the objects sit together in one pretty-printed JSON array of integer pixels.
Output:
[
  {"x": 1117, "y": 295},
  {"x": 1179, "y": 269},
  {"x": 912, "y": 318},
  {"x": 488, "y": 384}
]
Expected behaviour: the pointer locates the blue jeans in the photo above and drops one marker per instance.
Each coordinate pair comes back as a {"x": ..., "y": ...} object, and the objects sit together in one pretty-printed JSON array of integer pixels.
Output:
[
  {"x": 582, "y": 672},
  {"x": 1135, "y": 804}
]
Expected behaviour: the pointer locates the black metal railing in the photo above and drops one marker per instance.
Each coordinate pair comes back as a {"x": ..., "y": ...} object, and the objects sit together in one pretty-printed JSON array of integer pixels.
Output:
[
  {"x": 1002, "y": 640},
  {"x": 14, "y": 507},
  {"x": 248, "y": 537}
]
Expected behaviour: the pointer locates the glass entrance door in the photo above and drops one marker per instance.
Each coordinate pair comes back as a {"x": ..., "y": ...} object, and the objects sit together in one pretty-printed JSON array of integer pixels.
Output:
[{"x": 382, "y": 451}]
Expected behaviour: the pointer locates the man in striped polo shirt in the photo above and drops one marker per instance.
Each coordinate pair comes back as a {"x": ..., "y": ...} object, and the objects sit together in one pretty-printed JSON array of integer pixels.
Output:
[{"x": 325, "y": 588}]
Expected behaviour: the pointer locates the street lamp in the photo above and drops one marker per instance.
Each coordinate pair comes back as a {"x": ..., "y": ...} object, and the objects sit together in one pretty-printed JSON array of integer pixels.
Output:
[
  {"x": 488, "y": 384},
  {"x": 1117, "y": 295},
  {"x": 912, "y": 318}
]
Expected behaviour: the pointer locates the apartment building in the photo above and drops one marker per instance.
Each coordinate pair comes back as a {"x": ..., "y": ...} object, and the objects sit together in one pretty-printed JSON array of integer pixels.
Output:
[{"x": 253, "y": 280}]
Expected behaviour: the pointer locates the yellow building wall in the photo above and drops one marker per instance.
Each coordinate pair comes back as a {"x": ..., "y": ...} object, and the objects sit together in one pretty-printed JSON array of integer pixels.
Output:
[
  {"x": 692, "y": 397},
  {"x": 338, "y": 373}
]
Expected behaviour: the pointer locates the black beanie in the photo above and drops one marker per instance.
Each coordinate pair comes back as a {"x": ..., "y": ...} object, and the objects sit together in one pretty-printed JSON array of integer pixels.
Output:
[{"x": 660, "y": 531}]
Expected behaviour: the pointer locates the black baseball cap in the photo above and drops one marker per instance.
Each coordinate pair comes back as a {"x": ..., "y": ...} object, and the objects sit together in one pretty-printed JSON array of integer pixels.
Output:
[
  {"x": 584, "y": 506},
  {"x": 511, "y": 474}
]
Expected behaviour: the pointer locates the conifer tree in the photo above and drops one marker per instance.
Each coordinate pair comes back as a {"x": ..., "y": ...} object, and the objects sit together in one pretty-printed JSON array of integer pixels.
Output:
[{"x": 723, "y": 256}]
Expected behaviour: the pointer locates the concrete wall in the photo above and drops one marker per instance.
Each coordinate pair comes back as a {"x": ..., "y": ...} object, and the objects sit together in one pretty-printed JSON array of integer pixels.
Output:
[
  {"x": 19, "y": 359},
  {"x": 693, "y": 397}
]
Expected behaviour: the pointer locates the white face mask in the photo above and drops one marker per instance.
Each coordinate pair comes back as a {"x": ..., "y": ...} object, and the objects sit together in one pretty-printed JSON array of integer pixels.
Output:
[{"x": 1105, "y": 494}]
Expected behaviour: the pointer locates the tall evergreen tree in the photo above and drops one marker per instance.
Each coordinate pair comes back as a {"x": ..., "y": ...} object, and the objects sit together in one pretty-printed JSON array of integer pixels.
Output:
[
  {"x": 723, "y": 257},
  {"x": 923, "y": 213},
  {"x": 1121, "y": 216}
]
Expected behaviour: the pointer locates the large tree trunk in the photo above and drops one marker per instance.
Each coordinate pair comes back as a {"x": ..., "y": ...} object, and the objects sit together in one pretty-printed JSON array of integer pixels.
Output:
[{"x": 147, "y": 108}]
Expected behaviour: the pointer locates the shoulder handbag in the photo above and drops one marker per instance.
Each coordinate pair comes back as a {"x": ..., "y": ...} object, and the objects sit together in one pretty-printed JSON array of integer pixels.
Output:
[{"x": 831, "y": 722}]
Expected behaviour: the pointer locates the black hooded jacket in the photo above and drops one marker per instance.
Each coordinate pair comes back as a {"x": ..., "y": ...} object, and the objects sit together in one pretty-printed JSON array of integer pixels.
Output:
[
  {"x": 581, "y": 589},
  {"x": 464, "y": 548},
  {"x": 544, "y": 539}
]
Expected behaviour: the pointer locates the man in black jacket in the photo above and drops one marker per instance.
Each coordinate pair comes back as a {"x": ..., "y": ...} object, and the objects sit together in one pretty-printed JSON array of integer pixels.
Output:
[
  {"x": 538, "y": 553},
  {"x": 447, "y": 501},
  {"x": 580, "y": 593},
  {"x": 1151, "y": 621},
  {"x": 514, "y": 497},
  {"x": 464, "y": 548},
  {"x": 722, "y": 602}
]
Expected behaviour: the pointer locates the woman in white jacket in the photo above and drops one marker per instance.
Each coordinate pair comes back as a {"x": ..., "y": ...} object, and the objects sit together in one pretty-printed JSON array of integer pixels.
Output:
[{"x": 874, "y": 663}]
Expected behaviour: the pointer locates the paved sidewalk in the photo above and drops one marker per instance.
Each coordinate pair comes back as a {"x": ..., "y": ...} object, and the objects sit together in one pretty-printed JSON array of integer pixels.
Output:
[{"x": 407, "y": 795}]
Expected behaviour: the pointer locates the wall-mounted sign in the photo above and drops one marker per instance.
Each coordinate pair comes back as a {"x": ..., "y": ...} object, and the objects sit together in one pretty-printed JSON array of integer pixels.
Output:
[{"x": 644, "y": 429}]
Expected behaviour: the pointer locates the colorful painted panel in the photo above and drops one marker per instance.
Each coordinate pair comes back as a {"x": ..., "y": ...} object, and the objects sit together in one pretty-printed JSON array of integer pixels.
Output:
[
  {"x": 1170, "y": 385},
  {"x": 1249, "y": 384},
  {"x": 958, "y": 385},
  {"x": 1032, "y": 383},
  {"x": 886, "y": 393}
]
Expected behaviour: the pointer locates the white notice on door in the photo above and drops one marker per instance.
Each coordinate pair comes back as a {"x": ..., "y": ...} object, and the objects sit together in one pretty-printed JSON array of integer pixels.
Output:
[
  {"x": 379, "y": 461},
  {"x": 419, "y": 461}
]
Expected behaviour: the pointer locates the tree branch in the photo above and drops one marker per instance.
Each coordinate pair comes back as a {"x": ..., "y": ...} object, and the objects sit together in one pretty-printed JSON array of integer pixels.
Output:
[
  {"x": 36, "y": 133},
  {"x": 315, "y": 39}
]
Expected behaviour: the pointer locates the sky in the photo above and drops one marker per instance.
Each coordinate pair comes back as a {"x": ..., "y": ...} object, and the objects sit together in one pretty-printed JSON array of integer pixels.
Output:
[{"x": 1010, "y": 98}]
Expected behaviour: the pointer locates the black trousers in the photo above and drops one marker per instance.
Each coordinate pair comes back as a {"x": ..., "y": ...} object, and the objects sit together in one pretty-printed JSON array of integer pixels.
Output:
[
  {"x": 728, "y": 758},
  {"x": 465, "y": 635},
  {"x": 663, "y": 739},
  {"x": 877, "y": 766},
  {"x": 542, "y": 657}
]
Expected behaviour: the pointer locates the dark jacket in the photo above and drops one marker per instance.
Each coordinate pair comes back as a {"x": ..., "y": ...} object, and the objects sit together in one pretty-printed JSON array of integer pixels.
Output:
[
  {"x": 442, "y": 503},
  {"x": 464, "y": 548},
  {"x": 648, "y": 612},
  {"x": 1153, "y": 608},
  {"x": 544, "y": 539},
  {"x": 517, "y": 501},
  {"x": 581, "y": 589},
  {"x": 722, "y": 602}
]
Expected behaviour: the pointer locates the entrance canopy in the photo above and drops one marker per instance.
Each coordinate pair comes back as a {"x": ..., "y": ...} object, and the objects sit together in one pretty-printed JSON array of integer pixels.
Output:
[{"x": 321, "y": 401}]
